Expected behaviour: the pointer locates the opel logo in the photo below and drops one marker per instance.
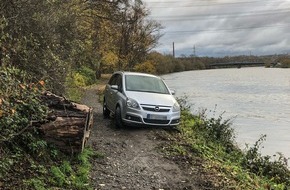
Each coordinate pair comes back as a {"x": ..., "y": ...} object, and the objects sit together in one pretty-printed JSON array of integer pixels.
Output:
[{"x": 157, "y": 108}]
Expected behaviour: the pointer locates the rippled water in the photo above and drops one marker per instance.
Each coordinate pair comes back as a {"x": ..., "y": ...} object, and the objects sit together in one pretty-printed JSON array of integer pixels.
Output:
[{"x": 258, "y": 98}]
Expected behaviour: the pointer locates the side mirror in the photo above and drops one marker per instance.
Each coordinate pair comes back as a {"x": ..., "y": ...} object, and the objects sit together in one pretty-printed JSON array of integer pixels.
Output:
[
  {"x": 172, "y": 92},
  {"x": 114, "y": 87}
]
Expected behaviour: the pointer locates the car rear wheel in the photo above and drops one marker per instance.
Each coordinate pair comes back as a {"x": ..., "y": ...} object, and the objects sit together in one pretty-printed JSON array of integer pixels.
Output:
[
  {"x": 118, "y": 118},
  {"x": 106, "y": 112}
]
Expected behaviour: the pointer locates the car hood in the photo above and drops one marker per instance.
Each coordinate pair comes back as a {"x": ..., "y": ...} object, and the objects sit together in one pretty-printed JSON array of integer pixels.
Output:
[{"x": 152, "y": 98}]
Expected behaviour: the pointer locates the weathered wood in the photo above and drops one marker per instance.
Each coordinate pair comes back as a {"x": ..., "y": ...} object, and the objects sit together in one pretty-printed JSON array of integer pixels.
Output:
[
  {"x": 62, "y": 122},
  {"x": 87, "y": 129},
  {"x": 67, "y": 113},
  {"x": 68, "y": 125}
]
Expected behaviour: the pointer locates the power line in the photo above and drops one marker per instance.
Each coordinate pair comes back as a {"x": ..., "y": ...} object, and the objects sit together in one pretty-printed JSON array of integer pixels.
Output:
[
  {"x": 250, "y": 13},
  {"x": 216, "y": 17},
  {"x": 190, "y": 4},
  {"x": 219, "y": 17},
  {"x": 227, "y": 29}
]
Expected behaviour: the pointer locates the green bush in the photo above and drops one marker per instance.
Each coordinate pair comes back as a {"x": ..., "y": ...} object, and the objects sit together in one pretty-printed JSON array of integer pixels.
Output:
[
  {"x": 58, "y": 176},
  {"x": 67, "y": 176},
  {"x": 35, "y": 183},
  {"x": 218, "y": 130},
  {"x": 77, "y": 80},
  {"x": 88, "y": 74},
  {"x": 74, "y": 84},
  {"x": 20, "y": 106},
  {"x": 276, "y": 170}
]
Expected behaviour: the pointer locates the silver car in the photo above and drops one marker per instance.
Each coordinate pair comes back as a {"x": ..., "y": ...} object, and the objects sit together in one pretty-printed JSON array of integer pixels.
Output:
[{"x": 140, "y": 99}]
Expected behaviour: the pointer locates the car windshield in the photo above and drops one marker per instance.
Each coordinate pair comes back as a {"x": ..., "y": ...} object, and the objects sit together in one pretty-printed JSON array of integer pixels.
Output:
[{"x": 145, "y": 84}]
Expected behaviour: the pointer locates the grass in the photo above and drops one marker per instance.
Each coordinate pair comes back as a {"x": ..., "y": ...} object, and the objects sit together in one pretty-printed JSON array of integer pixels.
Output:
[
  {"x": 23, "y": 171},
  {"x": 68, "y": 173}
]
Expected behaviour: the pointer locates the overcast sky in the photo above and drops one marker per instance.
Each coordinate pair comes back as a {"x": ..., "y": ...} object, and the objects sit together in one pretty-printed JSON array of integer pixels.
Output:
[{"x": 222, "y": 27}]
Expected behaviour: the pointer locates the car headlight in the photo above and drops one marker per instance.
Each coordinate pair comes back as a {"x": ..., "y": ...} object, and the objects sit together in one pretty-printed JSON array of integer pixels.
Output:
[
  {"x": 176, "y": 107},
  {"x": 132, "y": 103}
]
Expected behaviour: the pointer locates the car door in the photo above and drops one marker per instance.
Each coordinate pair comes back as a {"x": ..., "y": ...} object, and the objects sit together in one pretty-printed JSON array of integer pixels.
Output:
[
  {"x": 109, "y": 92},
  {"x": 116, "y": 93}
]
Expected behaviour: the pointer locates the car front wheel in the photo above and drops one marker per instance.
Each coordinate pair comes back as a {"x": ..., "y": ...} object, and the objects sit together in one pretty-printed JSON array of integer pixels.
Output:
[{"x": 118, "y": 118}]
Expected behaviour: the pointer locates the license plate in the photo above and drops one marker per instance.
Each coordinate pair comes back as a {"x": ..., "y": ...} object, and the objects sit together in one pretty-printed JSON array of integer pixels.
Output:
[{"x": 157, "y": 117}]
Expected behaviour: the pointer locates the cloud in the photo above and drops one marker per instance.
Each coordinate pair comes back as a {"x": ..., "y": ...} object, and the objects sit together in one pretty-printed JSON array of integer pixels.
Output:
[{"x": 223, "y": 27}]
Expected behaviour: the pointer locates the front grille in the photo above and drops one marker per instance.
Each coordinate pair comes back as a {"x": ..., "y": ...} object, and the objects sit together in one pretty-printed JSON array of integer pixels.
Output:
[
  {"x": 155, "y": 121},
  {"x": 154, "y": 110}
]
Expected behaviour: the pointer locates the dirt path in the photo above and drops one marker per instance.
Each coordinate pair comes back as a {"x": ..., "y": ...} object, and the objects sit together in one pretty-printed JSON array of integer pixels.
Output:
[{"x": 131, "y": 157}]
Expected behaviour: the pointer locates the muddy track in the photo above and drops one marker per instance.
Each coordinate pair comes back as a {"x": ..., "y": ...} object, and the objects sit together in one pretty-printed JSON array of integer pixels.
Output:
[{"x": 131, "y": 157}]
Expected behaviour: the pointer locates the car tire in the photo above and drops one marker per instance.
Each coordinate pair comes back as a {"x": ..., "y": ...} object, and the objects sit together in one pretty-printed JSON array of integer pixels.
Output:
[
  {"x": 106, "y": 112},
  {"x": 118, "y": 118}
]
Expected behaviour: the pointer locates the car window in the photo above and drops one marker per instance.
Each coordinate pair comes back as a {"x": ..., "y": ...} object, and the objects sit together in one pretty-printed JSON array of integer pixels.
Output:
[
  {"x": 119, "y": 83},
  {"x": 113, "y": 80},
  {"x": 145, "y": 84}
]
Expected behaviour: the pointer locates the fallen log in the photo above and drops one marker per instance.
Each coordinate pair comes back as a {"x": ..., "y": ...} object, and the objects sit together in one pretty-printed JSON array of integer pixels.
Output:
[{"x": 68, "y": 125}]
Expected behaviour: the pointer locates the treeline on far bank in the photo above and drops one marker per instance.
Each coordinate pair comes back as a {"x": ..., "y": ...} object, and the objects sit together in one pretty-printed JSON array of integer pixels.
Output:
[{"x": 162, "y": 64}]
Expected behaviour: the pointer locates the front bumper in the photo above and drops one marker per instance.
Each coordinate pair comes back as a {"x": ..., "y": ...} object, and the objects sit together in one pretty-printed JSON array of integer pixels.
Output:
[{"x": 150, "y": 118}]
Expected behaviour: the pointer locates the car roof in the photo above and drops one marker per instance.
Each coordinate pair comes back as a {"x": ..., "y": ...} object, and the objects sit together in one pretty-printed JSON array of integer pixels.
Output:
[{"x": 137, "y": 73}]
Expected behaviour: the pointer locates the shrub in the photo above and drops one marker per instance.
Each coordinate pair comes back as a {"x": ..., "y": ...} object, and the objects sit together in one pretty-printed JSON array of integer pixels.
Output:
[
  {"x": 74, "y": 84},
  {"x": 68, "y": 176},
  {"x": 220, "y": 130},
  {"x": 276, "y": 170},
  {"x": 215, "y": 130},
  {"x": 35, "y": 184},
  {"x": 184, "y": 105},
  {"x": 20, "y": 106},
  {"x": 146, "y": 67},
  {"x": 88, "y": 75}
]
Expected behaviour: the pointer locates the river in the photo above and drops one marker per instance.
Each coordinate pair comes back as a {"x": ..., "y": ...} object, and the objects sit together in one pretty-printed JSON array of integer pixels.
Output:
[{"x": 257, "y": 98}]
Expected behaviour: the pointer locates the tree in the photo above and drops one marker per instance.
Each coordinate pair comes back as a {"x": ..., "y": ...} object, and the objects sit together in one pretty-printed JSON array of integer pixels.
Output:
[
  {"x": 38, "y": 36},
  {"x": 137, "y": 36},
  {"x": 146, "y": 67},
  {"x": 97, "y": 31},
  {"x": 51, "y": 39},
  {"x": 163, "y": 63}
]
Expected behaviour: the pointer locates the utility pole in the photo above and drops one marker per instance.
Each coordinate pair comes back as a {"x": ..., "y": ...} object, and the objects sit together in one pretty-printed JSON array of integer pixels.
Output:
[
  {"x": 194, "y": 55},
  {"x": 173, "y": 50}
]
